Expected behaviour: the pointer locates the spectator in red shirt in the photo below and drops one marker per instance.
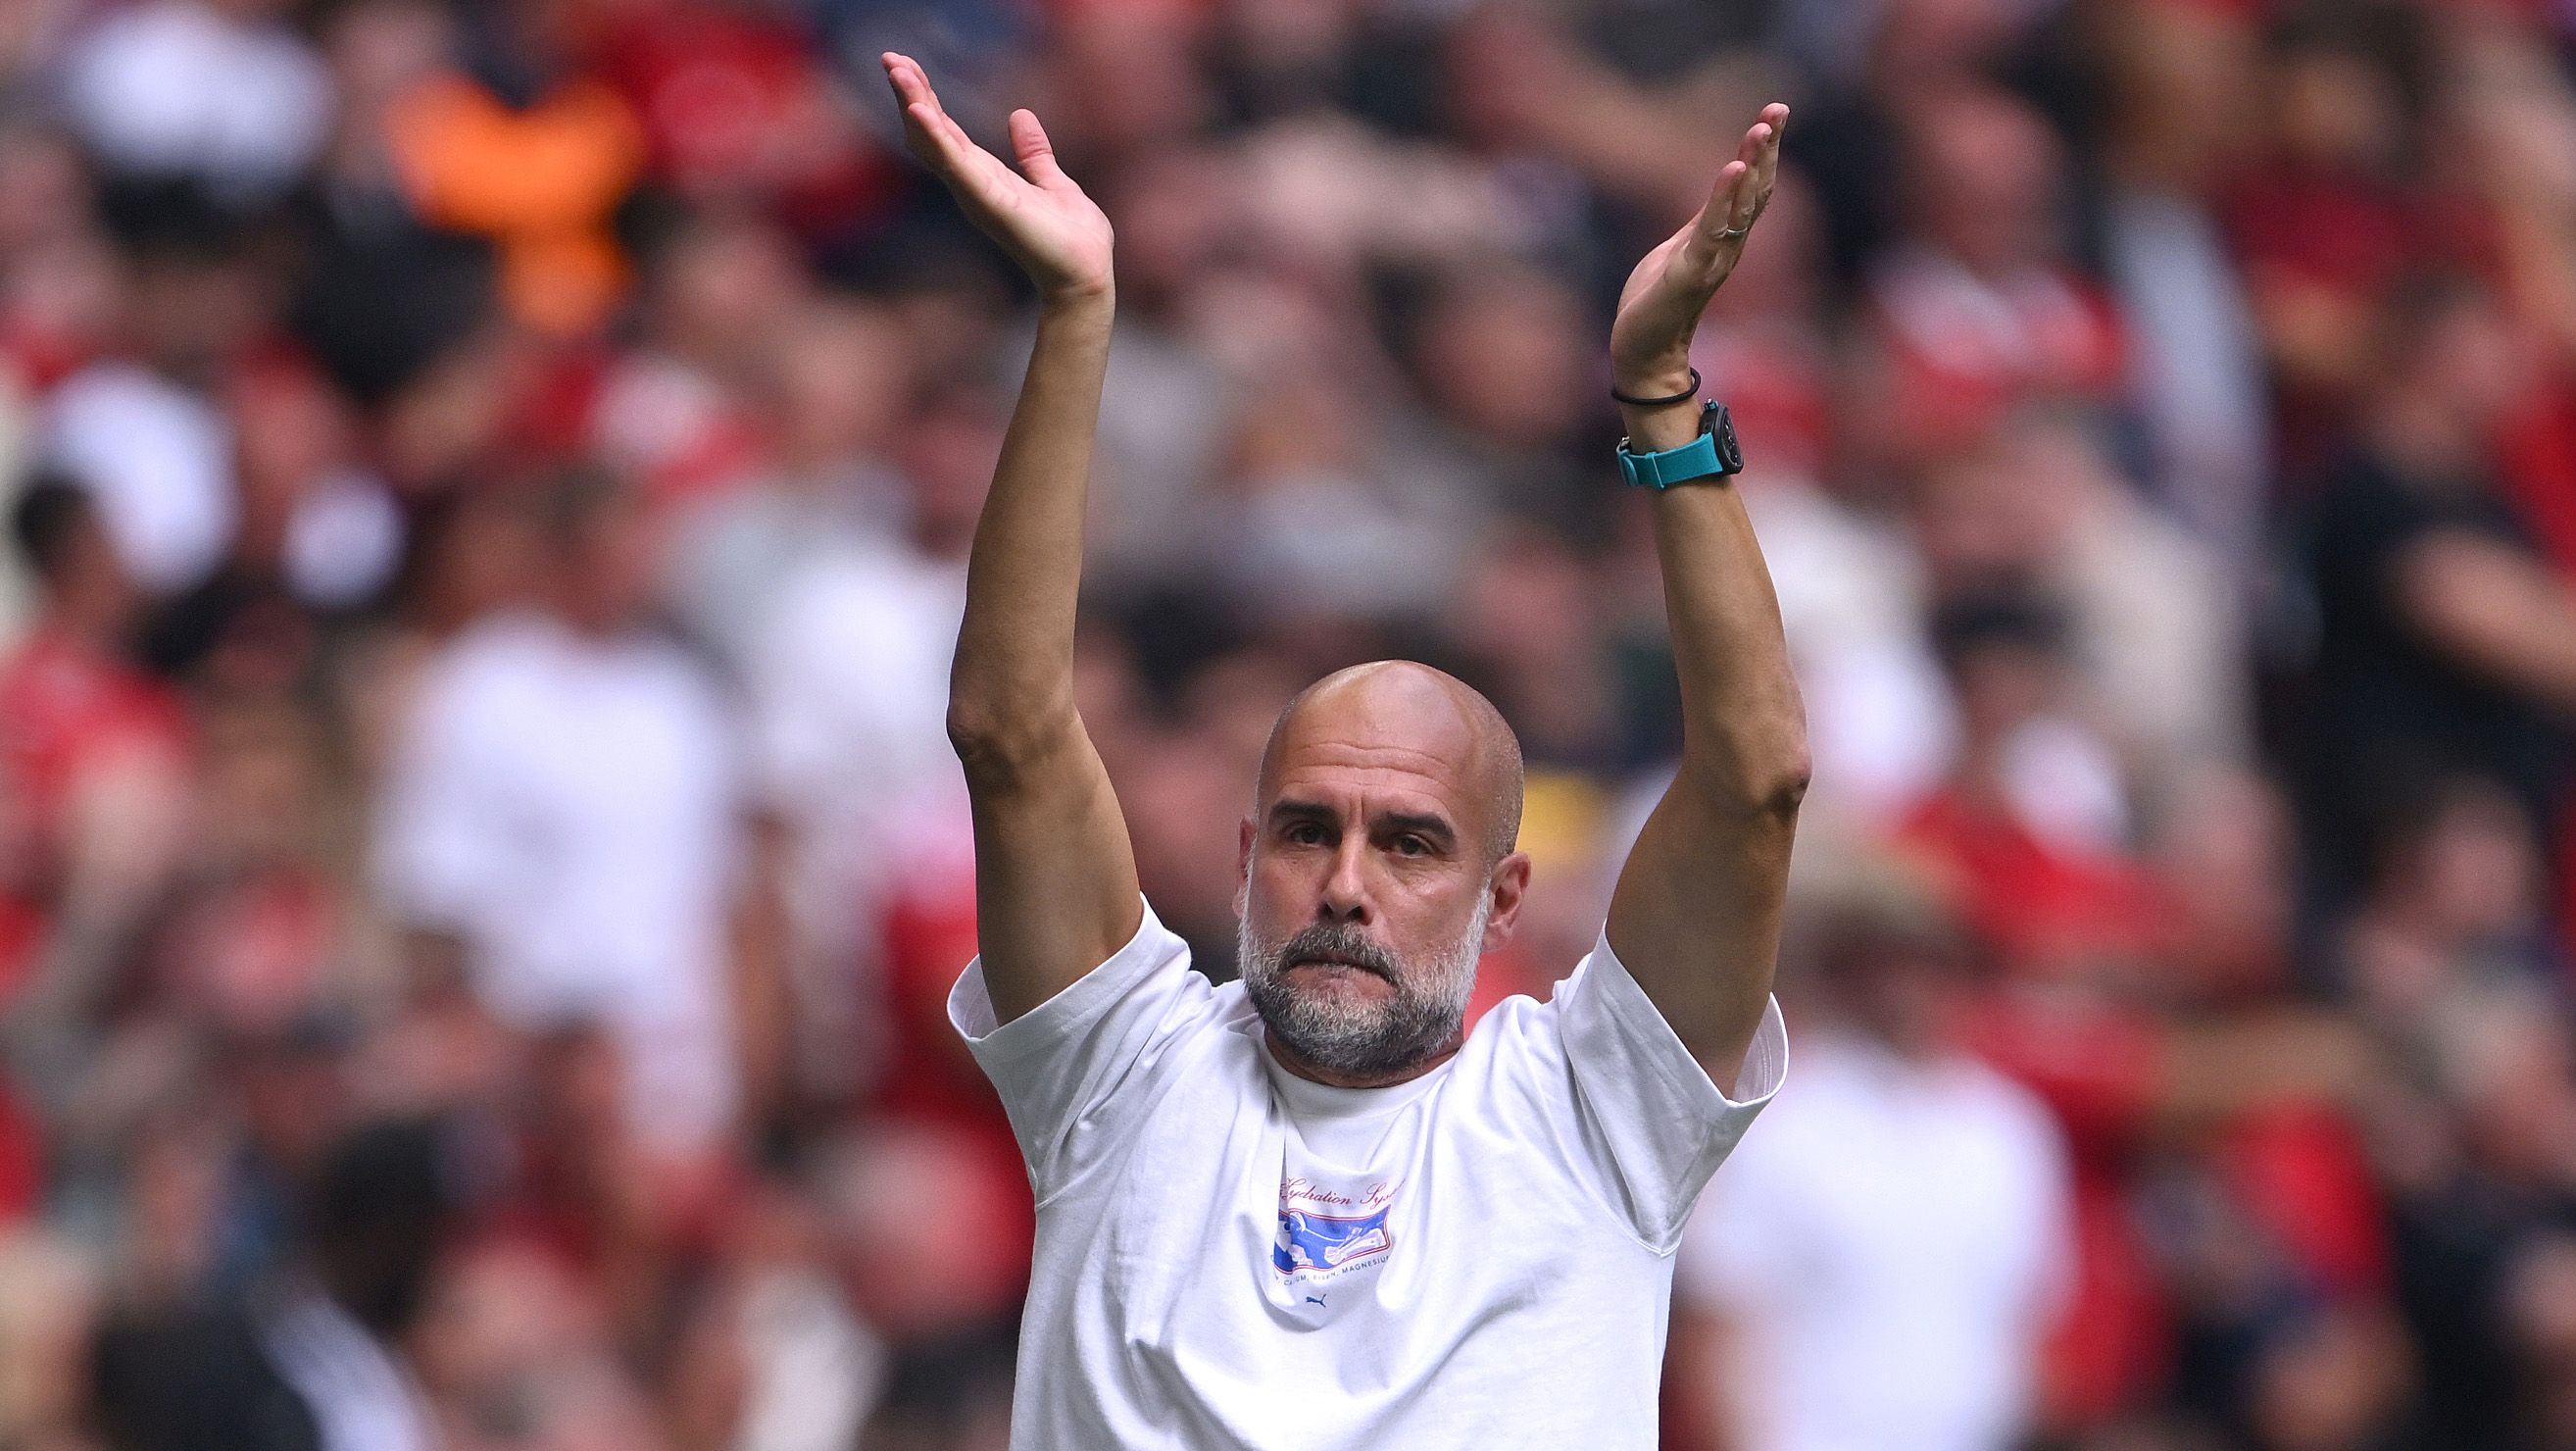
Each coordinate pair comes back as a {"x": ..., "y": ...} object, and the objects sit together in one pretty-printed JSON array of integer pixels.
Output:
[
  {"x": 93, "y": 780},
  {"x": 2050, "y": 899},
  {"x": 1977, "y": 308}
]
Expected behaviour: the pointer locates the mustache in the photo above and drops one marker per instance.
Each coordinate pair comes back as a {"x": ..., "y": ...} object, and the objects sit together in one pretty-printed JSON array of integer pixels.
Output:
[{"x": 1339, "y": 942}]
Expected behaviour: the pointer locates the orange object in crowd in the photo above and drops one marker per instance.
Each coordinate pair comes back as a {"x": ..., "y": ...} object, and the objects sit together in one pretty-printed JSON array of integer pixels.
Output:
[{"x": 541, "y": 182}]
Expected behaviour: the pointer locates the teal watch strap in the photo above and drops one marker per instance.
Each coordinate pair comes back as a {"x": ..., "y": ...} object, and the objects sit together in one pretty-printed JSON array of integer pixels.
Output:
[{"x": 1713, "y": 454}]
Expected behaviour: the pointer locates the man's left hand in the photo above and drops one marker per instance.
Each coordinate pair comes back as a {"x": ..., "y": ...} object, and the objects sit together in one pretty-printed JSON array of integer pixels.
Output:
[{"x": 1660, "y": 307}]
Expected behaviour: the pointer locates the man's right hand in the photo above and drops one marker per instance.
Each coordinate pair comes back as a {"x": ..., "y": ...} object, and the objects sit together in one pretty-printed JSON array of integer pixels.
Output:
[{"x": 1058, "y": 235}]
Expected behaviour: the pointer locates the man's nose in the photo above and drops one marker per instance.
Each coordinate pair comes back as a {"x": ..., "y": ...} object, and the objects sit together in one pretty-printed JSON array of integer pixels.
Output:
[{"x": 1345, "y": 897}]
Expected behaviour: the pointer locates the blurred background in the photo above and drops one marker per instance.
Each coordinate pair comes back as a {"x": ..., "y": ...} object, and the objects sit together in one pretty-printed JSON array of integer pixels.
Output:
[{"x": 488, "y": 483}]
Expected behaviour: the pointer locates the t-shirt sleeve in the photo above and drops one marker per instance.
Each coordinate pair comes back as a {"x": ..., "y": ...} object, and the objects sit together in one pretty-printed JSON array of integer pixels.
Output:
[
  {"x": 1658, "y": 1123},
  {"x": 1076, "y": 1073}
]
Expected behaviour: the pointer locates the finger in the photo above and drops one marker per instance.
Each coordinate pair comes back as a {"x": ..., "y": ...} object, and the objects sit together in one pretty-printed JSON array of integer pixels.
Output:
[
  {"x": 951, "y": 148},
  {"x": 1745, "y": 202},
  {"x": 1036, "y": 153},
  {"x": 1718, "y": 215},
  {"x": 1766, "y": 172},
  {"x": 933, "y": 135},
  {"x": 1757, "y": 137},
  {"x": 930, "y": 142},
  {"x": 921, "y": 107},
  {"x": 906, "y": 76},
  {"x": 919, "y": 104}
]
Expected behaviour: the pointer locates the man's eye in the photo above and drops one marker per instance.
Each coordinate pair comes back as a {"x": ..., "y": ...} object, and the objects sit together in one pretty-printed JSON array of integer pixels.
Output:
[
  {"x": 1412, "y": 846},
  {"x": 1305, "y": 833}
]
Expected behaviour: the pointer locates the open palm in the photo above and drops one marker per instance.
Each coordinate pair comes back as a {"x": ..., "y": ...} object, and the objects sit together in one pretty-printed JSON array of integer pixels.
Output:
[
  {"x": 1660, "y": 307},
  {"x": 1057, "y": 235}
]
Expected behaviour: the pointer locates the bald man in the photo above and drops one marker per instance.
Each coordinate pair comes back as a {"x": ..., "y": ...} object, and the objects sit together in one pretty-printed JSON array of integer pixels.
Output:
[{"x": 1311, "y": 1209}]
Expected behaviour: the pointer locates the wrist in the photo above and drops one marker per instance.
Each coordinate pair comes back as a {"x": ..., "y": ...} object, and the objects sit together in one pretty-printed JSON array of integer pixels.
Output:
[
  {"x": 1077, "y": 299},
  {"x": 1652, "y": 430},
  {"x": 1661, "y": 459},
  {"x": 1657, "y": 377}
]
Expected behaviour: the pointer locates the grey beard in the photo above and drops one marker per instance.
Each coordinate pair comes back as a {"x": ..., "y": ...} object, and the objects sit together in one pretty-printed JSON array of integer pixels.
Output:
[{"x": 1425, "y": 1012}]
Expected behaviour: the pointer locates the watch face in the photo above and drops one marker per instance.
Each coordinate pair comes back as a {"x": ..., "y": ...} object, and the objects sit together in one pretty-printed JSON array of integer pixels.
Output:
[{"x": 1730, "y": 456}]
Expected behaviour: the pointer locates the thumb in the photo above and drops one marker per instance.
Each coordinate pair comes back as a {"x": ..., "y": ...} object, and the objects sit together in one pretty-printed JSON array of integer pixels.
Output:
[{"x": 1036, "y": 153}]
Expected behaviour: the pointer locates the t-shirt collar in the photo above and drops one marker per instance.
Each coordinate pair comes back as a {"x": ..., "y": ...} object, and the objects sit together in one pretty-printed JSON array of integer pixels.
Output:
[{"x": 1307, "y": 1100}]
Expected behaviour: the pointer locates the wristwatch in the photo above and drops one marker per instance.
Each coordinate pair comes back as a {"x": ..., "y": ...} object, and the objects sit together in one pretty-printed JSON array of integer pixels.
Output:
[{"x": 1713, "y": 454}]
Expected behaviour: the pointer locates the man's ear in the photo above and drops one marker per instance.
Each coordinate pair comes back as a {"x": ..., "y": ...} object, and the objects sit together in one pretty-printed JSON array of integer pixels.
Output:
[
  {"x": 1509, "y": 885},
  {"x": 1243, "y": 847}
]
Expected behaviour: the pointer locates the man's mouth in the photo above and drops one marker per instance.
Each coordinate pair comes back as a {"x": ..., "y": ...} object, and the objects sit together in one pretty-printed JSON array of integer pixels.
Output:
[{"x": 1327, "y": 959}]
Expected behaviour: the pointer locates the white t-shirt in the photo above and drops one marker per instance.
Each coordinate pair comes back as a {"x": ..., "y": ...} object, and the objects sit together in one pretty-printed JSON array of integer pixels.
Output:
[
  {"x": 1231, "y": 1256},
  {"x": 848, "y": 688},
  {"x": 1890, "y": 1251},
  {"x": 159, "y": 460},
  {"x": 181, "y": 86},
  {"x": 846, "y": 680},
  {"x": 571, "y": 808}
]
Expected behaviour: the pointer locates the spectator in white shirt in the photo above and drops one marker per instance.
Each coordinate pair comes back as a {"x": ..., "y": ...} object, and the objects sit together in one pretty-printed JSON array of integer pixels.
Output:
[
  {"x": 563, "y": 823},
  {"x": 1876, "y": 1269},
  {"x": 221, "y": 91}
]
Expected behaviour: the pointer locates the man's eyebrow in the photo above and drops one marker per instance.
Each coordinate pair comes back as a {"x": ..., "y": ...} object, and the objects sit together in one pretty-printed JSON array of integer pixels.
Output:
[
  {"x": 1422, "y": 823},
  {"x": 1286, "y": 810}
]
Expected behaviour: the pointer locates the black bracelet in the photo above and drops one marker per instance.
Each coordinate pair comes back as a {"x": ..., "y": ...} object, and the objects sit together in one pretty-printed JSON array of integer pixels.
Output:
[{"x": 1684, "y": 396}]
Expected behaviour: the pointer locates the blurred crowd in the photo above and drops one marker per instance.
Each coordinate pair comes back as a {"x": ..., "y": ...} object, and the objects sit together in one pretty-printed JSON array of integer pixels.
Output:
[{"x": 488, "y": 485}]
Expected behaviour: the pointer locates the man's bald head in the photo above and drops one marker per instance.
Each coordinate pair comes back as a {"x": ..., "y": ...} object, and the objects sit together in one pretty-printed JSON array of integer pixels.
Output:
[{"x": 1447, "y": 725}]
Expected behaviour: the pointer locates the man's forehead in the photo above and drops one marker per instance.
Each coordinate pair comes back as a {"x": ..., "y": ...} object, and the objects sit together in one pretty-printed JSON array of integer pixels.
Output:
[
  {"x": 1393, "y": 728},
  {"x": 1391, "y": 777}
]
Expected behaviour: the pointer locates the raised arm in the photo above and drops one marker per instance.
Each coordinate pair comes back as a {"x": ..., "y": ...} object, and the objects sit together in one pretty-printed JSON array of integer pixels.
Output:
[
  {"x": 1055, "y": 878},
  {"x": 1696, "y": 916}
]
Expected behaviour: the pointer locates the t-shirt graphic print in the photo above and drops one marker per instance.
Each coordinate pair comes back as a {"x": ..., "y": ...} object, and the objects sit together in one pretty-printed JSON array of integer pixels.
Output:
[{"x": 1324, "y": 1235}]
